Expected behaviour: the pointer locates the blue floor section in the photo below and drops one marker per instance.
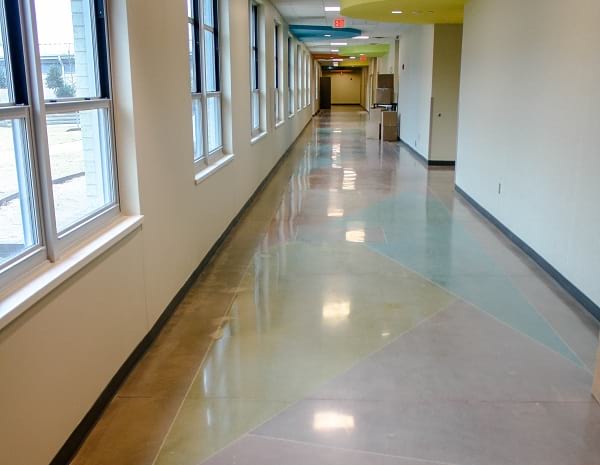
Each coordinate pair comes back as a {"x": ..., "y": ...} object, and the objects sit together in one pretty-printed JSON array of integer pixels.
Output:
[{"x": 422, "y": 235}]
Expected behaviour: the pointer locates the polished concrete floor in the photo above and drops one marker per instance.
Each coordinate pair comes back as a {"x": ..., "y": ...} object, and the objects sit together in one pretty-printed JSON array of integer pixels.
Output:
[{"x": 362, "y": 313}]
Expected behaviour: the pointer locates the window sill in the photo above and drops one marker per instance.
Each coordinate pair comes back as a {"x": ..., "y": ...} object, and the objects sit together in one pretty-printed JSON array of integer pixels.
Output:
[
  {"x": 32, "y": 287},
  {"x": 215, "y": 167},
  {"x": 279, "y": 124},
  {"x": 258, "y": 137}
]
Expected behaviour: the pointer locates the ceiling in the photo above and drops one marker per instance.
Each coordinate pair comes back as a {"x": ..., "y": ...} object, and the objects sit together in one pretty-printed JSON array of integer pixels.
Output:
[
  {"x": 406, "y": 11},
  {"x": 312, "y": 12}
]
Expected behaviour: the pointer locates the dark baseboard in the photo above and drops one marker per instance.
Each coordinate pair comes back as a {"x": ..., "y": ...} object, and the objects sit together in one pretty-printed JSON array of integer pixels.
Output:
[
  {"x": 425, "y": 161},
  {"x": 441, "y": 163},
  {"x": 78, "y": 436},
  {"x": 567, "y": 285}
]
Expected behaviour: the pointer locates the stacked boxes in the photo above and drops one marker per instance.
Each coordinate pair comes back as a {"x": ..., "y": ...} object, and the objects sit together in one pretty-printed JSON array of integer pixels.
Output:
[{"x": 389, "y": 126}]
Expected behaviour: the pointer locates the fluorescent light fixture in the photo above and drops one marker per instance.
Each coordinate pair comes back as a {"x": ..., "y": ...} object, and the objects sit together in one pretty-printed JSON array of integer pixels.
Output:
[
  {"x": 397, "y": 12},
  {"x": 332, "y": 8},
  {"x": 338, "y": 59},
  {"x": 353, "y": 58},
  {"x": 334, "y": 50},
  {"x": 339, "y": 43},
  {"x": 327, "y": 35},
  {"x": 361, "y": 37}
]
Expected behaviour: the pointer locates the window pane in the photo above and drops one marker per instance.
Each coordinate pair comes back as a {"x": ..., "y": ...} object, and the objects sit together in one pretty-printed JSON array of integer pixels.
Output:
[
  {"x": 213, "y": 105},
  {"x": 210, "y": 64},
  {"x": 254, "y": 69},
  {"x": 255, "y": 109},
  {"x": 197, "y": 129},
  {"x": 81, "y": 165},
  {"x": 190, "y": 6},
  {"x": 67, "y": 52},
  {"x": 5, "y": 77},
  {"x": 18, "y": 231},
  {"x": 192, "y": 58},
  {"x": 209, "y": 16}
]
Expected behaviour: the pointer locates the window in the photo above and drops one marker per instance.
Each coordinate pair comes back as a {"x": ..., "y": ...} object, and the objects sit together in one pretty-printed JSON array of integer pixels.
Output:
[
  {"x": 203, "y": 35},
  {"x": 299, "y": 78},
  {"x": 278, "y": 95},
  {"x": 309, "y": 78},
  {"x": 255, "y": 69},
  {"x": 52, "y": 200},
  {"x": 291, "y": 77}
]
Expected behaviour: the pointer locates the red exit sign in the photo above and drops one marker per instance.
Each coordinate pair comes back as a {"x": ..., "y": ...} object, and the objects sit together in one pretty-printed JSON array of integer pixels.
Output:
[{"x": 339, "y": 23}]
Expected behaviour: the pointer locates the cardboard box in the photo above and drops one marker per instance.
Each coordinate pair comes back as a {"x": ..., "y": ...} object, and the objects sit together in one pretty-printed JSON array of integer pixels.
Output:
[
  {"x": 384, "y": 96},
  {"x": 385, "y": 81},
  {"x": 389, "y": 118},
  {"x": 389, "y": 133},
  {"x": 373, "y": 130},
  {"x": 375, "y": 115}
]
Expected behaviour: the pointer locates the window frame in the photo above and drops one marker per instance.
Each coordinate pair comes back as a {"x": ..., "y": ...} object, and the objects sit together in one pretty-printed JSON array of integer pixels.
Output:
[
  {"x": 298, "y": 93},
  {"x": 201, "y": 95},
  {"x": 257, "y": 70},
  {"x": 30, "y": 105},
  {"x": 290, "y": 77},
  {"x": 278, "y": 94}
]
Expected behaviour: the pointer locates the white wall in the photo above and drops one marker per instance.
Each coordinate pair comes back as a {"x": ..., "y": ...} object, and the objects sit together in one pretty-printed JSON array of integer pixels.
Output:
[
  {"x": 415, "y": 86},
  {"x": 429, "y": 62},
  {"x": 529, "y": 121},
  {"x": 56, "y": 359},
  {"x": 346, "y": 88},
  {"x": 445, "y": 89}
]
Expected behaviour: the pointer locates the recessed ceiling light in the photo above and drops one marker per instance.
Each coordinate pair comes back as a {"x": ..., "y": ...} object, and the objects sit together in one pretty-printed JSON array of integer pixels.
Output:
[
  {"x": 361, "y": 37},
  {"x": 327, "y": 35},
  {"x": 397, "y": 12},
  {"x": 332, "y": 8},
  {"x": 353, "y": 58},
  {"x": 334, "y": 50},
  {"x": 339, "y": 43}
]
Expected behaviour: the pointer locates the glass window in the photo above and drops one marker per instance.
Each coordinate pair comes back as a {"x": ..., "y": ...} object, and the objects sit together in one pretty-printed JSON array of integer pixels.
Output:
[
  {"x": 278, "y": 100},
  {"x": 291, "y": 100},
  {"x": 18, "y": 225},
  {"x": 206, "y": 85},
  {"x": 255, "y": 69},
  {"x": 298, "y": 96},
  {"x": 73, "y": 181},
  {"x": 80, "y": 165},
  {"x": 66, "y": 40}
]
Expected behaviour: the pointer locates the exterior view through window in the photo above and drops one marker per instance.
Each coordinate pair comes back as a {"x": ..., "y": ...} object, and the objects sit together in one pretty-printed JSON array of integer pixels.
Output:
[
  {"x": 203, "y": 47},
  {"x": 50, "y": 201}
]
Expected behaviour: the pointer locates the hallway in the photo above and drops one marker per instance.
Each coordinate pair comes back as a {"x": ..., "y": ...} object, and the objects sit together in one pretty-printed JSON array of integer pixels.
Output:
[{"x": 361, "y": 313}]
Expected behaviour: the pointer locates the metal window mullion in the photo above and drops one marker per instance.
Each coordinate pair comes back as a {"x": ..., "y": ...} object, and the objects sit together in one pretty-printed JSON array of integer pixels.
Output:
[
  {"x": 14, "y": 112},
  {"x": 203, "y": 98},
  {"x": 38, "y": 109},
  {"x": 53, "y": 108}
]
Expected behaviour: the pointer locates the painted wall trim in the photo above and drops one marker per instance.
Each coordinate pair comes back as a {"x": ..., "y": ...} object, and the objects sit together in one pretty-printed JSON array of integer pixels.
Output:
[
  {"x": 567, "y": 285},
  {"x": 78, "y": 436}
]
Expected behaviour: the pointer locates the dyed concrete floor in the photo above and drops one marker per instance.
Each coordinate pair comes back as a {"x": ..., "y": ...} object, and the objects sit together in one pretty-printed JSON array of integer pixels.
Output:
[{"x": 361, "y": 313}]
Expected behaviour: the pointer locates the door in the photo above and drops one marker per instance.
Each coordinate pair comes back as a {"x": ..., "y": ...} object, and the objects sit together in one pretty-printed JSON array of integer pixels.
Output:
[{"x": 325, "y": 93}]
